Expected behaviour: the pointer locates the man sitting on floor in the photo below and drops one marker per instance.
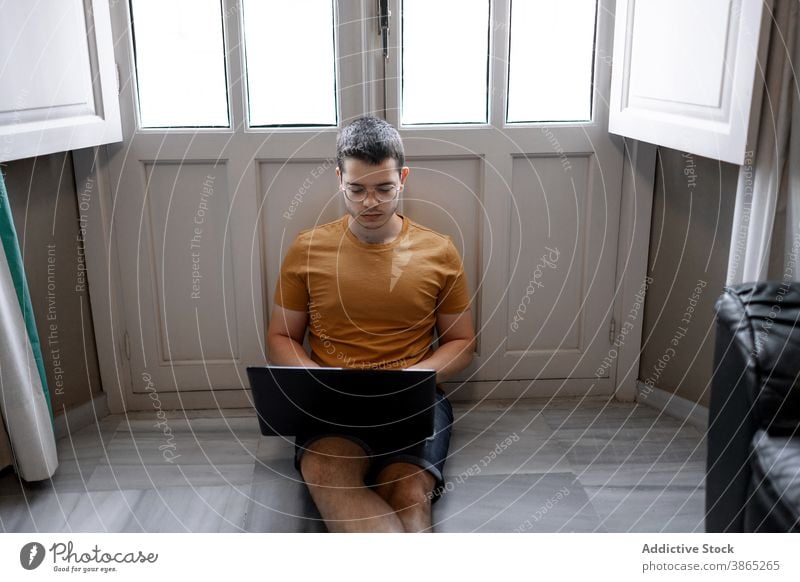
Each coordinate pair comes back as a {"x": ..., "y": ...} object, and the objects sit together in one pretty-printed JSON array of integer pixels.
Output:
[{"x": 371, "y": 287}]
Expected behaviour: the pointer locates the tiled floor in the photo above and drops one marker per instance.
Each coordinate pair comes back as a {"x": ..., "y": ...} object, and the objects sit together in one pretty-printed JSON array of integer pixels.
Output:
[{"x": 568, "y": 466}]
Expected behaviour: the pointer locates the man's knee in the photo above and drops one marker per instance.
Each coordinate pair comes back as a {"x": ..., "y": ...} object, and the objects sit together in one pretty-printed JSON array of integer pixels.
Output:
[
  {"x": 334, "y": 461},
  {"x": 406, "y": 486}
]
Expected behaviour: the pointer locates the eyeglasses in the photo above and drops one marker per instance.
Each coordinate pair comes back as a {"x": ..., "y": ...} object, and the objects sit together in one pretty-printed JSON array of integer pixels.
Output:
[{"x": 383, "y": 193}]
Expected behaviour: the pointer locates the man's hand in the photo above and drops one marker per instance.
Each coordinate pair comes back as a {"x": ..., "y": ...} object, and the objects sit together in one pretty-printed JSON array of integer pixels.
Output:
[
  {"x": 456, "y": 345},
  {"x": 287, "y": 328}
]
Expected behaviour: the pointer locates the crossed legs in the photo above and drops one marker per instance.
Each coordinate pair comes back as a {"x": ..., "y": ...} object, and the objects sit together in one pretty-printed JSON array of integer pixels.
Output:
[{"x": 334, "y": 469}]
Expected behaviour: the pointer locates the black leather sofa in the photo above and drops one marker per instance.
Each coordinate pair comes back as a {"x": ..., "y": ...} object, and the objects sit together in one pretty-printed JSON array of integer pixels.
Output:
[{"x": 753, "y": 463}]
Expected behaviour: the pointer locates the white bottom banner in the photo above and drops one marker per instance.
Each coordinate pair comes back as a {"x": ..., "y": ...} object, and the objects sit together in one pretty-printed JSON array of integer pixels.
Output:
[{"x": 355, "y": 557}]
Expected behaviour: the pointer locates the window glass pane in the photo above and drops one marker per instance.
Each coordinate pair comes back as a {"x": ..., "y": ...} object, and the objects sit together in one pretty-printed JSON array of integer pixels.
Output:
[
  {"x": 180, "y": 63},
  {"x": 445, "y": 61},
  {"x": 550, "y": 69},
  {"x": 291, "y": 75}
]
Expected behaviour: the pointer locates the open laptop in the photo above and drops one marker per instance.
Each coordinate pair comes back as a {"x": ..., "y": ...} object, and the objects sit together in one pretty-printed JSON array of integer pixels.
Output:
[{"x": 369, "y": 403}]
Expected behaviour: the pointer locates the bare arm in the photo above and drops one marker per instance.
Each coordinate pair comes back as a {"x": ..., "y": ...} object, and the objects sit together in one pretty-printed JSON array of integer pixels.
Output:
[
  {"x": 456, "y": 345},
  {"x": 287, "y": 328}
]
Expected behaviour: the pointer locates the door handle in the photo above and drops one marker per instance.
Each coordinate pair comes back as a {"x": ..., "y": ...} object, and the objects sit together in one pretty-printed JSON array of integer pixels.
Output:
[{"x": 383, "y": 22}]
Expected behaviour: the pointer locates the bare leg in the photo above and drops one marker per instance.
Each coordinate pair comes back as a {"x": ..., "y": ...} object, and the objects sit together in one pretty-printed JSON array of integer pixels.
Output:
[
  {"x": 334, "y": 469},
  {"x": 408, "y": 489}
]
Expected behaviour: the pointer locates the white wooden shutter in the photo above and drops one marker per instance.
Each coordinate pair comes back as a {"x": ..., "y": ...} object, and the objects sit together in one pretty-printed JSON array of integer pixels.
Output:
[
  {"x": 684, "y": 73},
  {"x": 58, "y": 86}
]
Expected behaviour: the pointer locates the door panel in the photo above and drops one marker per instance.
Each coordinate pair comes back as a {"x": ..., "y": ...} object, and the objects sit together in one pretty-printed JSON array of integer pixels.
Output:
[
  {"x": 555, "y": 204},
  {"x": 504, "y": 192},
  {"x": 547, "y": 185},
  {"x": 186, "y": 239},
  {"x": 556, "y": 316},
  {"x": 198, "y": 218}
]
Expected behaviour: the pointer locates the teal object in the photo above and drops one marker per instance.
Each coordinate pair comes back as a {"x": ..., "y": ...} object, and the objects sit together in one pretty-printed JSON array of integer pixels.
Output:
[{"x": 8, "y": 234}]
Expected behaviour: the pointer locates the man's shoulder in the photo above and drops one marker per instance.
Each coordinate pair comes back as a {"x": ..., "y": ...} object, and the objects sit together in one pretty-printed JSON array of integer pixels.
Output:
[
  {"x": 421, "y": 231},
  {"x": 332, "y": 228}
]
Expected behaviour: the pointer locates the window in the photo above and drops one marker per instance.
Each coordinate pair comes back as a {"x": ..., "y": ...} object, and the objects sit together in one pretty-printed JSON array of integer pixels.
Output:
[
  {"x": 550, "y": 60},
  {"x": 300, "y": 90},
  {"x": 290, "y": 76},
  {"x": 445, "y": 61},
  {"x": 180, "y": 63}
]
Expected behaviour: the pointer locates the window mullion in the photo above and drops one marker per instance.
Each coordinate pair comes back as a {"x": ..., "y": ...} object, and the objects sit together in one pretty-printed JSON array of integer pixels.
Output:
[
  {"x": 234, "y": 59},
  {"x": 498, "y": 61}
]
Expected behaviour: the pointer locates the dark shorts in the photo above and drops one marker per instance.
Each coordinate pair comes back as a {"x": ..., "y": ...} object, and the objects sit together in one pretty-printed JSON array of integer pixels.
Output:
[{"x": 430, "y": 454}]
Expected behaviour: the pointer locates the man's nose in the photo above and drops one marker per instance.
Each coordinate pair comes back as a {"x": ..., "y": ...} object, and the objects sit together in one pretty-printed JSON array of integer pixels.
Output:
[{"x": 371, "y": 199}]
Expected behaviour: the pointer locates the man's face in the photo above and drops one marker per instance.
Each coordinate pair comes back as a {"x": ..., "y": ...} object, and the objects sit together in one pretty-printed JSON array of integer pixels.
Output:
[{"x": 371, "y": 213}]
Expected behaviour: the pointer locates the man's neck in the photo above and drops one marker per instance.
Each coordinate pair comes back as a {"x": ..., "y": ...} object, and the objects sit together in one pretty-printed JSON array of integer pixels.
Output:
[{"x": 382, "y": 235}]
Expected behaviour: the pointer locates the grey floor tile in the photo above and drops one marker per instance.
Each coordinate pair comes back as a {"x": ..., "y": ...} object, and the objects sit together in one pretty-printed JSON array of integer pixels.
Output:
[
  {"x": 89, "y": 442},
  {"x": 78, "y": 454},
  {"x": 182, "y": 450},
  {"x": 516, "y": 503},
  {"x": 223, "y": 440},
  {"x": 181, "y": 453},
  {"x": 578, "y": 414},
  {"x": 513, "y": 465},
  {"x": 72, "y": 475},
  {"x": 38, "y": 511},
  {"x": 275, "y": 447},
  {"x": 274, "y": 469},
  {"x": 274, "y": 459},
  {"x": 201, "y": 428},
  {"x": 156, "y": 476},
  {"x": 12, "y": 485},
  {"x": 215, "y": 414},
  {"x": 653, "y": 456},
  {"x": 631, "y": 474},
  {"x": 282, "y": 506},
  {"x": 621, "y": 444},
  {"x": 650, "y": 509},
  {"x": 171, "y": 509},
  {"x": 500, "y": 405},
  {"x": 491, "y": 441}
]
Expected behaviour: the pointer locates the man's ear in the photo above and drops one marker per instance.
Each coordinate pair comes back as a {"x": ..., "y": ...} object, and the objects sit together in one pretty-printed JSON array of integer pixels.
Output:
[{"x": 404, "y": 174}]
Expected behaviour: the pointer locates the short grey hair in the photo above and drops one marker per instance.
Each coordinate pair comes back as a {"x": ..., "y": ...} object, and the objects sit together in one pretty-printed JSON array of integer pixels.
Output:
[{"x": 370, "y": 140}]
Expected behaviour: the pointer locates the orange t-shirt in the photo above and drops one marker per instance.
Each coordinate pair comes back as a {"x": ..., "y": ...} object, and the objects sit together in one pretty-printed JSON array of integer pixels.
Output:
[{"x": 371, "y": 305}]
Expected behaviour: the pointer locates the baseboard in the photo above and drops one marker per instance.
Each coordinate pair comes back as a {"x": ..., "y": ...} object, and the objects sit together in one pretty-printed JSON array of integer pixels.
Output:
[
  {"x": 480, "y": 390},
  {"x": 673, "y": 405},
  {"x": 81, "y": 416}
]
